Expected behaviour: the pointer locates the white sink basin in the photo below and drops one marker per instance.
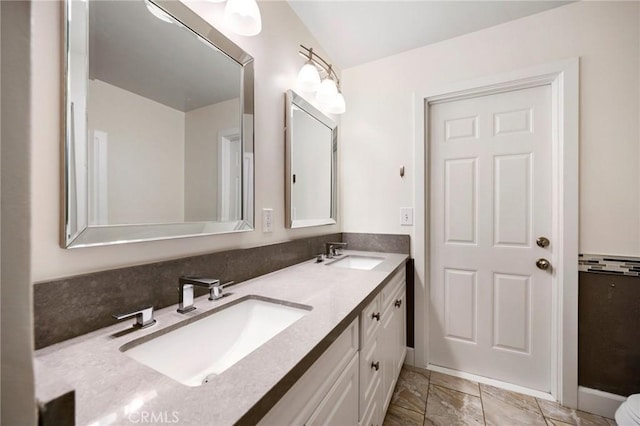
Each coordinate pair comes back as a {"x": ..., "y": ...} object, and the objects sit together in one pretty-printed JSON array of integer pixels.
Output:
[
  {"x": 194, "y": 352},
  {"x": 353, "y": 261}
]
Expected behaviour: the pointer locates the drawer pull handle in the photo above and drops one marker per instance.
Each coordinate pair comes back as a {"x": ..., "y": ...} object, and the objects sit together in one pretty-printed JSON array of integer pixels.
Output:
[
  {"x": 376, "y": 316},
  {"x": 398, "y": 303},
  {"x": 375, "y": 365}
]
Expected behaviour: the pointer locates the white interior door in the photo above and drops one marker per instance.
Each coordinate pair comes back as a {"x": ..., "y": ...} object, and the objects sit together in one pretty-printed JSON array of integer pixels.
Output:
[
  {"x": 490, "y": 189},
  {"x": 229, "y": 176}
]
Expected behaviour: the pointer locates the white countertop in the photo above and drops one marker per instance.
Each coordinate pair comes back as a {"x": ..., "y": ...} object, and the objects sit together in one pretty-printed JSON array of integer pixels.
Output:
[{"x": 112, "y": 388}]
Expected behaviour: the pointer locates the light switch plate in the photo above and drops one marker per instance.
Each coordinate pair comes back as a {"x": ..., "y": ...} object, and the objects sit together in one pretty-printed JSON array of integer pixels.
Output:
[
  {"x": 267, "y": 220},
  {"x": 406, "y": 216}
]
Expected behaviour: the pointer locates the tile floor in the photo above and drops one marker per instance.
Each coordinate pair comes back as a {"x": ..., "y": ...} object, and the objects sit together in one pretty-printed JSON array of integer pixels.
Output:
[{"x": 426, "y": 398}]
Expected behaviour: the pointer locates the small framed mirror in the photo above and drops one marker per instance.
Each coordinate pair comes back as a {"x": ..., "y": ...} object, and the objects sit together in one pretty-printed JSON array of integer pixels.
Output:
[
  {"x": 311, "y": 164},
  {"x": 158, "y": 125}
]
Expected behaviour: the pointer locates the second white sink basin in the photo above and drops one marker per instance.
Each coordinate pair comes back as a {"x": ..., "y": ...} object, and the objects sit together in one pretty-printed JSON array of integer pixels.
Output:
[
  {"x": 353, "y": 261},
  {"x": 193, "y": 353}
]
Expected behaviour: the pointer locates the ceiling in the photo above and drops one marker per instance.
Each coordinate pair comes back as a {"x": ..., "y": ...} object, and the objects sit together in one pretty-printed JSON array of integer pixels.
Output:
[
  {"x": 359, "y": 31},
  {"x": 132, "y": 49}
]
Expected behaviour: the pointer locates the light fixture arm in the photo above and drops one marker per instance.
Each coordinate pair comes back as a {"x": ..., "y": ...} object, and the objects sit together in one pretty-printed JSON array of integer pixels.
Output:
[{"x": 318, "y": 61}]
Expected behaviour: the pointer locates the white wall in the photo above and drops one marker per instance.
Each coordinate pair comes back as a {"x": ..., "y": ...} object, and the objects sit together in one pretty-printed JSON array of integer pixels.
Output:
[
  {"x": 276, "y": 66},
  {"x": 311, "y": 156},
  {"x": 377, "y": 130},
  {"x": 201, "y": 155},
  {"x": 145, "y": 155},
  {"x": 17, "y": 382}
]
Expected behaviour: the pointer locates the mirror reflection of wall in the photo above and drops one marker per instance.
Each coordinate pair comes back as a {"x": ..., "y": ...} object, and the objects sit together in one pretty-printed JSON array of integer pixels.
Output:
[
  {"x": 154, "y": 138},
  {"x": 311, "y": 157},
  {"x": 153, "y": 163},
  {"x": 311, "y": 150},
  {"x": 155, "y": 121}
]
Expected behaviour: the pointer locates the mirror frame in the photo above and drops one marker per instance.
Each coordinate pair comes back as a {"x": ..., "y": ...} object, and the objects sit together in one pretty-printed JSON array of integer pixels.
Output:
[
  {"x": 98, "y": 235},
  {"x": 293, "y": 99}
]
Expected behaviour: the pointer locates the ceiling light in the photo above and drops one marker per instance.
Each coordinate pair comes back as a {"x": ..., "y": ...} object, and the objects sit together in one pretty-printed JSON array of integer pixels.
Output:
[
  {"x": 243, "y": 17},
  {"x": 327, "y": 92},
  {"x": 338, "y": 105},
  {"x": 308, "y": 78}
]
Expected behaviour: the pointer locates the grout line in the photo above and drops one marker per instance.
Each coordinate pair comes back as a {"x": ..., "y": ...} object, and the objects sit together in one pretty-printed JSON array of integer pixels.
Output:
[
  {"x": 457, "y": 390},
  {"x": 424, "y": 418},
  {"x": 484, "y": 418}
]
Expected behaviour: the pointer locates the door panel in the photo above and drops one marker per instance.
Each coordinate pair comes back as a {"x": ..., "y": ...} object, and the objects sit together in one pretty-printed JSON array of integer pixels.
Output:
[
  {"x": 460, "y": 304},
  {"x": 460, "y": 201},
  {"x": 511, "y": 312},
  {"x": 512, "y": 197},
  {"x": 490, "y": 198}
]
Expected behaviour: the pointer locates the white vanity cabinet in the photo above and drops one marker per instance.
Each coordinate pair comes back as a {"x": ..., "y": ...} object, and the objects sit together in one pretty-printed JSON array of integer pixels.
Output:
[
  {"x": 382, "y": 349},
  {"x": 352, "y": 382},
  {"x": 328, "y": 392}
]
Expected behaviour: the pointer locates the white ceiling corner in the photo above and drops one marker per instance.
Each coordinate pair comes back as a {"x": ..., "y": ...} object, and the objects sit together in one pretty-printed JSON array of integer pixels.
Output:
[{"x": 358, "y": 31}]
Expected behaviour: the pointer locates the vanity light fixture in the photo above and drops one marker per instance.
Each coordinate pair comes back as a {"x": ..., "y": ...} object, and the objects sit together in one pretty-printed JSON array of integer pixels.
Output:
[
  {"x": 328, "y": 89},
  {"x": 158, "y": 13},
  {"x": 241, "y": 16}
]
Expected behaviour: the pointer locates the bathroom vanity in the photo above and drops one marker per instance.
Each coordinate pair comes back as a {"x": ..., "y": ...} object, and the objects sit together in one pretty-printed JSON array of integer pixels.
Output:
[{"x": 338, "y": 361}]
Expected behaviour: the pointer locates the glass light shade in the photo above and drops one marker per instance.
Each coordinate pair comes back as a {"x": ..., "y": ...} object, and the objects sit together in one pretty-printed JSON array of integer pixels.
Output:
[
  {"x": 308, "y": 78},
  {"x": 243, "y": 17},
  {"x": 338, "y": 106},
  {"x": 158, "y": 13},
  {"x": 327, "y": 92}
]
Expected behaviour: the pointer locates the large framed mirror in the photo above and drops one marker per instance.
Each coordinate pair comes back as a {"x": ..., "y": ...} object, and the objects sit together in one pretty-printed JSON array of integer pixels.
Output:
[
  {"x": 311, "y": 164},
  {"x": 158, "y": 125}
]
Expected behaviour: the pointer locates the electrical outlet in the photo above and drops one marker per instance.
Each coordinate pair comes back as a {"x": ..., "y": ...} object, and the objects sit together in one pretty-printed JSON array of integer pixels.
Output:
[
  {"x": 267, "y": 220},
  {"x": 406, "y": 216}
]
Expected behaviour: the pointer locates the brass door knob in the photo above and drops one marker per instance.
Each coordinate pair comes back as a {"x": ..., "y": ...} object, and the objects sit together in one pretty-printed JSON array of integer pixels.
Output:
[
  {"x": 543, "y": 264},
  {"x": 543, "y": 242}
]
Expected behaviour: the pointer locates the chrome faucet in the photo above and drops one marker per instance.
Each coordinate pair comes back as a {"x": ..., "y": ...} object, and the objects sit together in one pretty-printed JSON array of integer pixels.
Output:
[
  {"x": 144, "y": 317},
  {"x": 334, "y": 249},
  {"x": 185, "y": 289}
]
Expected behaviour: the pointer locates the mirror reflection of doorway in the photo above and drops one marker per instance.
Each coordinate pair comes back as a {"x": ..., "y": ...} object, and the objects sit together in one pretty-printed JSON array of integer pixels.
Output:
[{"x": 230, "y": 175}]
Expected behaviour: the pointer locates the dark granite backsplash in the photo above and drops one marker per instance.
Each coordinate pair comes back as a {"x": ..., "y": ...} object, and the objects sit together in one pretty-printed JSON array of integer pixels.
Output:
[
  {"x": 69, "y": 307},
  {"x": 378, "y": 242}
]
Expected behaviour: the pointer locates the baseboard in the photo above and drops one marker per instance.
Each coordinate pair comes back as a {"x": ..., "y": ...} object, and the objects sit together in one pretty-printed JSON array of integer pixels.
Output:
[
  {"x": 492, "y": 382},
  {"x": 598, "y": 402},
  {"x": 409, "y": 358}
]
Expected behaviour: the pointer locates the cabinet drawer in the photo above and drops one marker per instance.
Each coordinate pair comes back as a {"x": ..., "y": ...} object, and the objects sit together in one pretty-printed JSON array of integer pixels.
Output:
[
  {"x": 373, "y": 413},
  {"x": 305, "y": 395},
  {"x": 370, "y": 373},
  {"x": 389, "y": 291},
  {"x": 370, "y": 321},
  {"x": 340, "y": 406}
]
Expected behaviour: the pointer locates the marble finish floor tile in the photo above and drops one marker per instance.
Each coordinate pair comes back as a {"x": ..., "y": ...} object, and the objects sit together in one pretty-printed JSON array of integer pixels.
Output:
[
  {"x": 448, "y": 407},
  {"x": 555, "y": 411},
  {"x": 412, "y": 389},
  {"x": 455, "y": 383},
  {"x": 398, "y": 416},
  {"x": 551, "y": 422},
  {"x": 443, "y": 400},
  {"x": 502, "y": 407}
]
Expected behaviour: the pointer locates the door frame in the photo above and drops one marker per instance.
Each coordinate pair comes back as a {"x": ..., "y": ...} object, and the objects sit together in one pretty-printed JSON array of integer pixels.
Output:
[{"x": 563, "y": 77}]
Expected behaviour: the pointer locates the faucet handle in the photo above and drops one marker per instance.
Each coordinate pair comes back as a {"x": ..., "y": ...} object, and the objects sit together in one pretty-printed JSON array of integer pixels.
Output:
[
  {"x": 216, "y": 291},
  {"x": 144, "y": 316}
]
